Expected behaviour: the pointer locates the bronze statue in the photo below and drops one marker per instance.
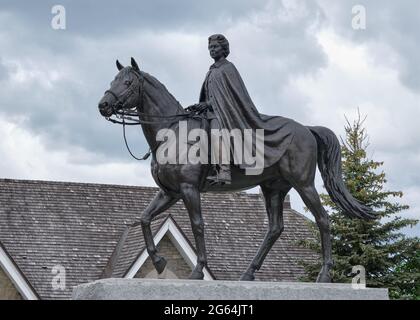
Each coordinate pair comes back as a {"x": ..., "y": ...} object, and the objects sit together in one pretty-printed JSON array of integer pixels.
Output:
[
  {"x": 291, "y": 153},
  {"x": 224, "y": 92}
]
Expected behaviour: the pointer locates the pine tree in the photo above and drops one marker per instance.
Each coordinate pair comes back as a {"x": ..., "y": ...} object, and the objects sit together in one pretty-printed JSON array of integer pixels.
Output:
[{"x": 391, "y": 260}]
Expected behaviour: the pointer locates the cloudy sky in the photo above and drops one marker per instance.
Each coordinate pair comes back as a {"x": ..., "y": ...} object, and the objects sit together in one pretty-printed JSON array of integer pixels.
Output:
[{"x": 299, "y": 59}]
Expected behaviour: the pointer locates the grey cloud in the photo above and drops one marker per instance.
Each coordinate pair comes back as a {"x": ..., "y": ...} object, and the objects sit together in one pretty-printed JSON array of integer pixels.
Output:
[
  {"x": 389, "y": 23},
  {"x": 102, "y": 18},
  {"x": 279, "y": 46},
  {"x": 66, "y": 114}
]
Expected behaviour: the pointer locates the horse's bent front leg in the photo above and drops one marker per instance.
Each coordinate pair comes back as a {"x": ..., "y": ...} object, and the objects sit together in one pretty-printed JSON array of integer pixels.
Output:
[
  {"x": 159, "y": 204},
  {"x": 191, "y": 198}
]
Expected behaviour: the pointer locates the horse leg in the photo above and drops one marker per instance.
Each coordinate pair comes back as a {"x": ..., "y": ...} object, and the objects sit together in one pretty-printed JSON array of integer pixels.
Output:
[
  {"x": 191, "y": 197},
  {"x": 311, "y": 199},
  {"x": 298, "y": 167},
  {"x": 274, "y": 205},
  {"x": 159, "y": 204}
]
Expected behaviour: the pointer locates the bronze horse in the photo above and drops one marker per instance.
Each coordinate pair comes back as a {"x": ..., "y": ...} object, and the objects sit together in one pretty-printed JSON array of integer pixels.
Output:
[{"x": 138, "y": 93}]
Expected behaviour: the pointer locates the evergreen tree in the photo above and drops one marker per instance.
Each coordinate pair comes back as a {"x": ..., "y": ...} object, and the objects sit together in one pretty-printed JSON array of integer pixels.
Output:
[{"x": 391, "y": 260}]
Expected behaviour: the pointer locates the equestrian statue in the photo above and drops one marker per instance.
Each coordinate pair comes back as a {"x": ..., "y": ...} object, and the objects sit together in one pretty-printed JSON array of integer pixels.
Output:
[{"x": 289, "y": 154}]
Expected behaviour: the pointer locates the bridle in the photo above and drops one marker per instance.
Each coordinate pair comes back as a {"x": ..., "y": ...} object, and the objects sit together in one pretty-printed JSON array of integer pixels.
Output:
[{"x": 126, "y": 116}]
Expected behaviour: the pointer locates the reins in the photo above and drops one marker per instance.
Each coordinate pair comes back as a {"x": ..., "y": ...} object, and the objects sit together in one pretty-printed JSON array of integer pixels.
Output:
[{"x": 125, "y": 115}]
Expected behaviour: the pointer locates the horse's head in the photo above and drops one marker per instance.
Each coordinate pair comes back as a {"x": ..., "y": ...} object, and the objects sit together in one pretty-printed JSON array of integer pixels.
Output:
[{"x": 124, "y": 91}]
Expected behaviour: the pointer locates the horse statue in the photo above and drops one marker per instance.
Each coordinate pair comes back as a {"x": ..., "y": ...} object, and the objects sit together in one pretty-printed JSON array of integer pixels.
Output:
[{"x": 135, "y": 93}]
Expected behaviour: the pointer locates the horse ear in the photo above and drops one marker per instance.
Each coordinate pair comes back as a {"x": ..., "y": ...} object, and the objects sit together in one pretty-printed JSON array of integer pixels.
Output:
[
  {"x": 119, "y": 65},
  {"x": 134, "y": 64}
]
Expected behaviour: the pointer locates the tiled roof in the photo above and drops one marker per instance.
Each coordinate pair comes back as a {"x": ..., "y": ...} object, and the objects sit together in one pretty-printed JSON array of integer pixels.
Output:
[{"x": 78, "y": 225}]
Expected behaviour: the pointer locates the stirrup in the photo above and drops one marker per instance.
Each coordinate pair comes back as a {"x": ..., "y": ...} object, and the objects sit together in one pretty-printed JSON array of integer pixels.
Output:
[{"x": 216, "y": 180}]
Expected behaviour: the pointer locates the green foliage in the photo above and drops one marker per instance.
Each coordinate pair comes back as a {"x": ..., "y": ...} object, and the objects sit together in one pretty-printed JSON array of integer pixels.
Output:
[{"x": 391, "y": 259}]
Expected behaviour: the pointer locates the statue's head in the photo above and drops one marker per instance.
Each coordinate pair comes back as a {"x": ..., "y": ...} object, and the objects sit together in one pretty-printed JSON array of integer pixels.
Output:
[
  {"x": 124, "y": 91},
  {"x": 218, "y": 46}
]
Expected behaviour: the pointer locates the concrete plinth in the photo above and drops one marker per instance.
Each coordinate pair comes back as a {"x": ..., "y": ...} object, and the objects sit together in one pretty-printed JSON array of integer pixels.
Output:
[{"x": 158, "y": 289}]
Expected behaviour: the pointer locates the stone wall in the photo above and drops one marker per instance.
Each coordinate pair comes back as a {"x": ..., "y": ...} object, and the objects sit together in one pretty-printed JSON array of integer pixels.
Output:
[
  {"x": 176, "y": 268},
  {"x": 7, "y": 288}
]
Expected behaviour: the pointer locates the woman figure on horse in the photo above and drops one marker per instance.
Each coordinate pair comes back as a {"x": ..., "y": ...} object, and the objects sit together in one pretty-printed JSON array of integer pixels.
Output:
[{"x": 229, "y": 106}]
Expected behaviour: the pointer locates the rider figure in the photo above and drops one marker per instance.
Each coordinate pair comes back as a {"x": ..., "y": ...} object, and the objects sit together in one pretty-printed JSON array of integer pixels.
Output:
[
  {"x": 225, "y": 98},
  {"x": 219, "y": 49}
]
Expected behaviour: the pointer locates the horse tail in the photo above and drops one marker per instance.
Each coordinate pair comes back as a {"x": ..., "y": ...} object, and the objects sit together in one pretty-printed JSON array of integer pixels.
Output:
[{"x": 329, "y": 164}]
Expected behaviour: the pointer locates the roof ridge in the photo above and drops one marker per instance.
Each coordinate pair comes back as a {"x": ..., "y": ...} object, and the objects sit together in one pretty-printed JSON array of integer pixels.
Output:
[
  {"x": 60, "y": 182},
  {"x": 98, "y": 184}
]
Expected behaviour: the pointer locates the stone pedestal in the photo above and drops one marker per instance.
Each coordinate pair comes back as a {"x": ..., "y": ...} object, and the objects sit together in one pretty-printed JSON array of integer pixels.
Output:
[{"x": 158, "y": 289}]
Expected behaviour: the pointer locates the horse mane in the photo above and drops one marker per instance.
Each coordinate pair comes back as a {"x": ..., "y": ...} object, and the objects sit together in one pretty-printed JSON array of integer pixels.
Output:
[{"x": 160, "y": 95}]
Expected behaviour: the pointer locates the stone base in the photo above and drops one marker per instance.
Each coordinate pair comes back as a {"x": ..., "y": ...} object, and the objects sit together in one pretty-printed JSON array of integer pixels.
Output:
[{"x": 159, "y": 289}]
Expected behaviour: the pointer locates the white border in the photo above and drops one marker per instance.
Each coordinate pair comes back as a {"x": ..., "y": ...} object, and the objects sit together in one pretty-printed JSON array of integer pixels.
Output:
[
  {"x": 175, "y": 235},
  {"x": 16, "y": 276}
]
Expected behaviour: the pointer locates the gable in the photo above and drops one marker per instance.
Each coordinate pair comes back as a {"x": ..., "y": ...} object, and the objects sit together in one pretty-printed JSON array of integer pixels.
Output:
[
  {"x": 177, "y": 267},
  {"x": 11, "y": 278},
  {"x": 8, "y": 290},
  {"x": 177, "y": 239}
]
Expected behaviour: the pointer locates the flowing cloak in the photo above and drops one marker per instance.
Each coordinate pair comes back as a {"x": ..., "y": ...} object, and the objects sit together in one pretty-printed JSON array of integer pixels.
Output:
[{"x": 225, "y": 90}]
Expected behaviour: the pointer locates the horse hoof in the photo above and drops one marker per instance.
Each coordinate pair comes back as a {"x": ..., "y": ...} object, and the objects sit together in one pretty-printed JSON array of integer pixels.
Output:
[
  {"x": 247, "y": 277},
  {"x": 197, "y": 275},
  {"x": 160, "y": 264}
]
